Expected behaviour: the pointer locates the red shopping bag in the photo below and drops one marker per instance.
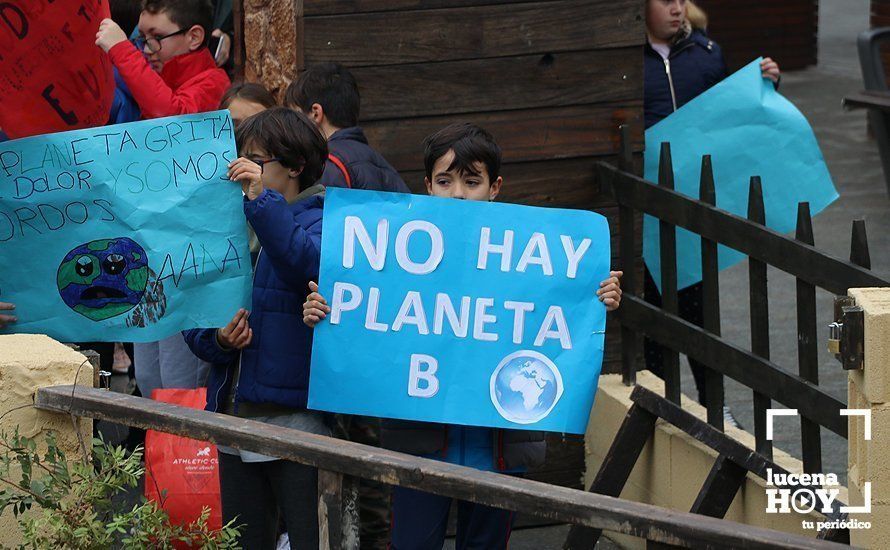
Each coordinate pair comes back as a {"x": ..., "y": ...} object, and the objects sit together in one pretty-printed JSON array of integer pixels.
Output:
[{"x": 182, "y": 474}]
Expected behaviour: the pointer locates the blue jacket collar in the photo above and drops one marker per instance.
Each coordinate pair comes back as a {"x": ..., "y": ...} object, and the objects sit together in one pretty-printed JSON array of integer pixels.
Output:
[
  {"x": 695, "y": 38},
  {"x": 353, "y": 133}
]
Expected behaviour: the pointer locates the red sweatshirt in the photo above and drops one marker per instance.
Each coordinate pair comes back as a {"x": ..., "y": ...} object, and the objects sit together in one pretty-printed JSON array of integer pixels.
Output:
[{"x": 189, "y": 83}]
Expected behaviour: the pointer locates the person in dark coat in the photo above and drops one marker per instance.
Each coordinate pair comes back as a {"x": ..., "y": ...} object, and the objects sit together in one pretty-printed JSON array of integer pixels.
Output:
[
  {"x": 681, "y": 62},
  {"x": 328, "y": 94}
]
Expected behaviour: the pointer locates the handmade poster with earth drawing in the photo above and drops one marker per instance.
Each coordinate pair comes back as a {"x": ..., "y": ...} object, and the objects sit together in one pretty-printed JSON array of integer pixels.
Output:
[{"x": 124, "y": 233}]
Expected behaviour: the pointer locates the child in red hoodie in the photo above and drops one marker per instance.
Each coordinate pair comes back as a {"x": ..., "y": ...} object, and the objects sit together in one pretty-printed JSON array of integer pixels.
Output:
[{"x": 168, "y": 68}]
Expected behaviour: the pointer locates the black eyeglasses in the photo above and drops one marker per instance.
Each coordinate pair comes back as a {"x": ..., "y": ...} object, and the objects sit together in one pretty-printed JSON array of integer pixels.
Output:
[
  {"x": 263, "y": 163},
  {"x": 153, "y": 44}
]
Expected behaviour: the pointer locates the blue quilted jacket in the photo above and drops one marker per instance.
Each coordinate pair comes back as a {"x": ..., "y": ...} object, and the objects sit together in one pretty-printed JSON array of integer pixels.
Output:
[
  {"x": 275, "y": 366},
  {"x": 364, "y": 166}
]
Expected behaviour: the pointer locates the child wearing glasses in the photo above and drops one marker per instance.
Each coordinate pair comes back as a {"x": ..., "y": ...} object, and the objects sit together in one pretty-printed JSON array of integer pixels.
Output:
[
  {"x": 168, "y": 69},
  {"x": 261, "y": 367}
]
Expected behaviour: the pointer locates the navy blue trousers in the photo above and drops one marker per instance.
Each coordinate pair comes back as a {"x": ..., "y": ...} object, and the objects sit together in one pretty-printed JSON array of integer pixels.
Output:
[{"x": 419, "y": 522}]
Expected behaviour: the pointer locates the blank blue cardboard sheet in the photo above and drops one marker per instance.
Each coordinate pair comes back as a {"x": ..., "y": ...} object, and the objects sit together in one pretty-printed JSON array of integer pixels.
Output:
[{"x": 749, "y": 129}]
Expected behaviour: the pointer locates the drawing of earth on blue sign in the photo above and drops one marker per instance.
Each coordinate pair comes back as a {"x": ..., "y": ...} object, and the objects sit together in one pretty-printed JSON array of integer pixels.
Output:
[
  {"x": 525, "y": 387},
  {"x": 103, "y": 278}
]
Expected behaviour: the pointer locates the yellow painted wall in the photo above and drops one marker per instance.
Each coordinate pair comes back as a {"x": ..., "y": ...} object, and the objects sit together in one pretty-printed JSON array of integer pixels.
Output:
[
  {"x": 869, "y": 388},
  {"x": 28, "y": 362},
  {"x": 673, "y": 466}
]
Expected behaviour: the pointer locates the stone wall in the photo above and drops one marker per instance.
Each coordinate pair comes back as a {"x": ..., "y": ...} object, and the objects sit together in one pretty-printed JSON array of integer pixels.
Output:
[
  {"x": 271, "y": 38},
  {"x": 29, "y": 362}
]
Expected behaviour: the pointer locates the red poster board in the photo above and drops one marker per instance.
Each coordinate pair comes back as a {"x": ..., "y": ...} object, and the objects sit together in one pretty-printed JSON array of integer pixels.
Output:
[{"x": 53, "y": 77}]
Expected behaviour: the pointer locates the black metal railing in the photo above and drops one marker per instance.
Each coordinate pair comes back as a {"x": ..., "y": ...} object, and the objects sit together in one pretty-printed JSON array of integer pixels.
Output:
[
  {"x": 341, "y": 463},
  {"x": 764, "y": 247}
]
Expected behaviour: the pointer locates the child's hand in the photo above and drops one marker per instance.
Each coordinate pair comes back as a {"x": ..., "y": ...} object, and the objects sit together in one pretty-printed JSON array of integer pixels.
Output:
[
  {"x": 610, "y": 290},
  {"x": 249, "y": 174},
  {"x": 770, "y": 69},
  {"x": 110, "y": 35},
  {"x": 225, "y": 47},
  {"x": 6, "y": 319},
  {"x": 315, "y": 308},
  {"x": 237, "y": 334}
]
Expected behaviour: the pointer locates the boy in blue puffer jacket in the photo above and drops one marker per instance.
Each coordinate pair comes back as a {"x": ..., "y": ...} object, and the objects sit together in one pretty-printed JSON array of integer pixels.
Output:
[{"x": 261, "y": 367}]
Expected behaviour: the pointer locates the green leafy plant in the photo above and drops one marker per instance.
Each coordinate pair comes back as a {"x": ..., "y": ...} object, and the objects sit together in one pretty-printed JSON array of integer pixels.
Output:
[{"x": 72, "y": 501}]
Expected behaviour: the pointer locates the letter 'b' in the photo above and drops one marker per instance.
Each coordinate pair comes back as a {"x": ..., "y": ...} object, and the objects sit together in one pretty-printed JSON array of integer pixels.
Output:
[{"x": 428, "y": 375}]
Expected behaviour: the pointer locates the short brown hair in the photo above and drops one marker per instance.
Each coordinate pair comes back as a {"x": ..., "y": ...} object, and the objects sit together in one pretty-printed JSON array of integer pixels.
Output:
[
  {"x": 332, "y": 86},
  {"x": 248, "y": 91},
  {"x": 289, "y": 136},
  {"x": 471, "y": 144},
  {"x": 184, "y": 13}
]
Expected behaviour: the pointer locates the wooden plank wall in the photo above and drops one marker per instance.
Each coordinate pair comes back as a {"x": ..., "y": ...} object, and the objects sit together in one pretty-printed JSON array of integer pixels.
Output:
[
  {"x": 784, "y": 30},
  {"x": 551, "y": 80},
  {"x": 880, "y": 17},
  {"x": 880, "y": 13}
]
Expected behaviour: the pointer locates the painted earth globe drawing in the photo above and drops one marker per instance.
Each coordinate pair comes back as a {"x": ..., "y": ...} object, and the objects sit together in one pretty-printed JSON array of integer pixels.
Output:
[
  {"x": 103, "y": 278},
  {"x": 525, "y": 387}
]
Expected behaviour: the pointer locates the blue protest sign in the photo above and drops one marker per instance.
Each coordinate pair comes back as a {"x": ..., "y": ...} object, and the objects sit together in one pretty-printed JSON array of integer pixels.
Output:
[
  {"x": 123, "y": 233},
  {"x": 749, "y": 129},
  {"x": 461, "y": 312}
]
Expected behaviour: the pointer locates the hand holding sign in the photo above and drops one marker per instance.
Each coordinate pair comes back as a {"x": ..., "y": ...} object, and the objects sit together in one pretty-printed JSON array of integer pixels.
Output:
[
  {"x": 237, "y": 334},
  {"x": 316, "y": 308},
  {"x": 610, "y": 290},
  {"x": 770, "y": 69},
  {"x": 110, "y": 35},
  {"x": 249, "y": 174},
  {"x": 6, "y": 319}
]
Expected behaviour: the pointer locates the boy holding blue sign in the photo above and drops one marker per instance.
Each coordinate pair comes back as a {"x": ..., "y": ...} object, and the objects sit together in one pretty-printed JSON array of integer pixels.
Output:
[{"x": 462, "y": 161}]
